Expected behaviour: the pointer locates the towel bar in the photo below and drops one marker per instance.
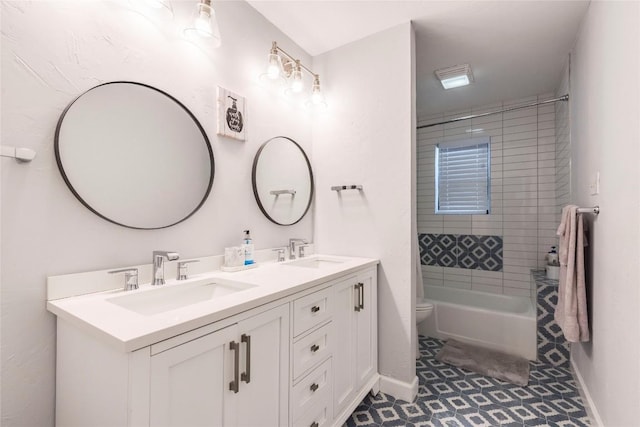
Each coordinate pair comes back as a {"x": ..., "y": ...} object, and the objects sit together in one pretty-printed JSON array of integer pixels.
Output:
[
  {"x": 346, "y": 187},
  {"x": 593, "y": 210},
  {"x": 279, "y": 192}
]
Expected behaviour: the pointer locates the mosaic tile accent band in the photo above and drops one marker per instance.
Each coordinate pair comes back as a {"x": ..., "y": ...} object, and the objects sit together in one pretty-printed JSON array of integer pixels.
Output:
[
  {"x": 461, "y": 251},
  {"x": 553, "y": 348}
]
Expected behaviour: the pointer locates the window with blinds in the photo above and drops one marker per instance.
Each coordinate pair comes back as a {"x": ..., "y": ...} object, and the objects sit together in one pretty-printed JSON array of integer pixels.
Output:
[{"x": 463, "y": 177}]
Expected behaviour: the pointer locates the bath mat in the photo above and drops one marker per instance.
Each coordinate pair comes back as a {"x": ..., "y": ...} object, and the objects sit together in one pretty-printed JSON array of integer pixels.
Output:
[{"x": 492, "y": 363}]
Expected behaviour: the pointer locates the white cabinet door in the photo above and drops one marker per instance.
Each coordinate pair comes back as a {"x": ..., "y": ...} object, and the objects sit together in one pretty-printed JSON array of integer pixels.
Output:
[
  {"x": 344, "y": 385},
  {"x": 366, "y": 331},
  {"x": 355, "y": 332},
  {"x": 189, "y": 384},
  {"x": 263, "y": 395}
]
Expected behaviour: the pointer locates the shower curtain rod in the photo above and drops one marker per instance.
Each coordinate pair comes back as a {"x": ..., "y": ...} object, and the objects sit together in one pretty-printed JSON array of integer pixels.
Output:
[{"x": 473, "y": 116}]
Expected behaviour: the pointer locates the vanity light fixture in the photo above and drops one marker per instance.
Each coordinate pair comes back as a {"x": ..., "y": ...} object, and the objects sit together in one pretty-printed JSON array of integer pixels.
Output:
[
  {"x": 204, "y": 24},
  {"x": 456, "y": 76},
  {"x": 282, "y": 67}
]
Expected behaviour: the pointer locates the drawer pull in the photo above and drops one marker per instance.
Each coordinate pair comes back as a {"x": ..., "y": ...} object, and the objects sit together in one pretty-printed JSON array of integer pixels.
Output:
[
  {"x": 314, "y": 424},
  {"x": 314, "y": 387},
  {"x": 315, "y": 309},
  {"x": 315, "y": 348}
]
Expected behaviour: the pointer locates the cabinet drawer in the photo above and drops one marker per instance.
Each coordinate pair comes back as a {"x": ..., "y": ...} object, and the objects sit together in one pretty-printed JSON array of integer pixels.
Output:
[
  {"x": 311, "y": 350},
  {"x": 311, "y": 310},
  {"x": 311, "y": 390},
  {"x": 319, "y": 415}
]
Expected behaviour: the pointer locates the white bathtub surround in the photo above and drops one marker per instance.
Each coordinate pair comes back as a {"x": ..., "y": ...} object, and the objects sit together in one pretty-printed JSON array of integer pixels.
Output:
[
  {"x": 522, "y": 193},
  {"x": 500, "y": 322}
]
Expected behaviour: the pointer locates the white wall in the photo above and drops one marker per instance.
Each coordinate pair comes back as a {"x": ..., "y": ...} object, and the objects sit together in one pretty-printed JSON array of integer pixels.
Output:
[
  {"x": 366, "y": 138},
  {"x": 522, "y": 193},
  {"x": 605, "y": 137},
  {"x": 52, "y": 52}
]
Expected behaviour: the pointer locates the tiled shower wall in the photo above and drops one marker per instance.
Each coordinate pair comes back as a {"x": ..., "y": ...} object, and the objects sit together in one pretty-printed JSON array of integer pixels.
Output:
[
  {"x": 523, "y": 193},
  {"x": 563, "y": 145}
]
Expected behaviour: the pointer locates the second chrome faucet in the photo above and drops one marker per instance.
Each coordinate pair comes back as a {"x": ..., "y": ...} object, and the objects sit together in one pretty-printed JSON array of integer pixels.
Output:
[{"x": 158, "y": 265}]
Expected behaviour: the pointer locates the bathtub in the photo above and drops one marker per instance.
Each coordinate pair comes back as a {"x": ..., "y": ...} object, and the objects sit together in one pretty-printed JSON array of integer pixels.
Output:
[{"x": 499, "y": 322}]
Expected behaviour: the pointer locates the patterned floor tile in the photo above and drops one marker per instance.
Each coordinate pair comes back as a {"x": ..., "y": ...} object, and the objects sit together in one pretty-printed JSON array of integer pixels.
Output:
[{"x": 449, "y": 396}]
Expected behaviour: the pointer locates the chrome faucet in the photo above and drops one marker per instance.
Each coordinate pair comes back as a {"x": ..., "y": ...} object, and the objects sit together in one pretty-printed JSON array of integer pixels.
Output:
[
  {"x": 292, "y": 247},
  {"x": 158, "y": 265}
]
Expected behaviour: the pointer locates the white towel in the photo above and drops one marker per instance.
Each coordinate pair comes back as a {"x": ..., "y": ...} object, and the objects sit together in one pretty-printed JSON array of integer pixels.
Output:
[{"x": 571, "y": 310}]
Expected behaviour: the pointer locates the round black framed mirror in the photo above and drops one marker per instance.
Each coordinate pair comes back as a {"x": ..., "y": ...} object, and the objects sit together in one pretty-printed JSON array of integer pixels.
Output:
[
  {"x": 282, "y": 180},
  {"x": 134, "y": 155}
]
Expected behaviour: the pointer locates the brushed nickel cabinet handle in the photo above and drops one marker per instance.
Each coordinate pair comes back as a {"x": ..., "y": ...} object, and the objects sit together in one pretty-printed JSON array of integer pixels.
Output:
[
  {"x": 361, "y": 295},
  {"x": 356, "y": 289},
  {"x": 314, "y": 387},
  {"x": 315, "y": 309},
  {"x": 315, "y": 348},
  {"x": 234, "y": 385},
  {"x": 246, "y": 375}
]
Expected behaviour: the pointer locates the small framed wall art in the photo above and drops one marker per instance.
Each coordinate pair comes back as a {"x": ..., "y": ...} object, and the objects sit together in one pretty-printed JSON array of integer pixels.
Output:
[{"x": 231, "y": 114}]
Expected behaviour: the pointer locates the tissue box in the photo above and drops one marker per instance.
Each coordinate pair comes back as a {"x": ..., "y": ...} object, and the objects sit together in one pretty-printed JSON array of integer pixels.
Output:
[{"x": 553, "y": 272}]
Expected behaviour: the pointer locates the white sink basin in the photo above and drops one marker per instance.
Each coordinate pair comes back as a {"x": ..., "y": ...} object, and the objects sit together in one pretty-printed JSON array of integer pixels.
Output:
[
  {"x": 315, "y": 262},
  {"x": 177, "y": 296}
]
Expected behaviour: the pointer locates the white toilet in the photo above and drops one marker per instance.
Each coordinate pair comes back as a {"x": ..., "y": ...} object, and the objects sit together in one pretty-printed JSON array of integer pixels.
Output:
[{"x": 423, "y": 310}]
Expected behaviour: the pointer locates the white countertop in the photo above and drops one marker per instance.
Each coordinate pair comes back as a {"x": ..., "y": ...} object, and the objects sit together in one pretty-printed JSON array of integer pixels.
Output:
[{"x": 129, "y": 330}]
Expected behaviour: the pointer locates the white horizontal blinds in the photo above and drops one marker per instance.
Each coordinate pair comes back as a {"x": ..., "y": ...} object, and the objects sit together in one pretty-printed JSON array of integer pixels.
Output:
[{"x": 462, "y": 177}]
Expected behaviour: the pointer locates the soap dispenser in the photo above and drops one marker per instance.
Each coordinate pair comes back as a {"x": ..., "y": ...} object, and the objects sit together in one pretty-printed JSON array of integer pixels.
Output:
[
  {"x": 247, "y": 245},
  {"x": 552, "y": 257}
]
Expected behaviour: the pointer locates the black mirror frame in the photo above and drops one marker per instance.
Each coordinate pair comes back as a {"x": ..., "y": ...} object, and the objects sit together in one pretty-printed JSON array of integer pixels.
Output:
[
  {"x": 255, "y": 187},
  {"x": 81, "y": 200}
]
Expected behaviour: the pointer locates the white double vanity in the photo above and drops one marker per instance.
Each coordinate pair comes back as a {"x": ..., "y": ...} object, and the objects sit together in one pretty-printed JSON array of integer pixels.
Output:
[{"x": 285, "y": 344}]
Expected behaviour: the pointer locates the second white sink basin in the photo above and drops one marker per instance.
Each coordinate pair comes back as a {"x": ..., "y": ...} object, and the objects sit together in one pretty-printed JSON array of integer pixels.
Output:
[
  {"x": 177, "y": 296},
  {"x": 315, "y": 262}
]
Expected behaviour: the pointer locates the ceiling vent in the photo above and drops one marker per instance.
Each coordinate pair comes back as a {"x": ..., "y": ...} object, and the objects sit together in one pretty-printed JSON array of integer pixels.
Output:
[{"x": 456, "y": 76}]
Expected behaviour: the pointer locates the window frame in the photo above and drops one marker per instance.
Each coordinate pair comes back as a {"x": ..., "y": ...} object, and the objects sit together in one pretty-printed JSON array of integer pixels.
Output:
[{"x": 467, "y": 142}]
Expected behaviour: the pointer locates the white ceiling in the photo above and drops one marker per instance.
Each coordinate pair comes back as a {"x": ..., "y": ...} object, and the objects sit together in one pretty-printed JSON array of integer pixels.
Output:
[{"x": 516, "y": 48}]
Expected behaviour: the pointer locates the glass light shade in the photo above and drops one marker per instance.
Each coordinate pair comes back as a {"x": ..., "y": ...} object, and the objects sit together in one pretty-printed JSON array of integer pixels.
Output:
[
  {"x": 274, "y": 67},
  {"x": 296, "y": 80},
  {"x": 204, "y": 23},
  {"x": 316, "y": 101}
]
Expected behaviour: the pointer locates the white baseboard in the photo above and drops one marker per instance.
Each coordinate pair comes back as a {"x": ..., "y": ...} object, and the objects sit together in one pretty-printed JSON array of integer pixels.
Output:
[
  {"x": 590, "y": 407},
  {"x": 399, "y": 389}
]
